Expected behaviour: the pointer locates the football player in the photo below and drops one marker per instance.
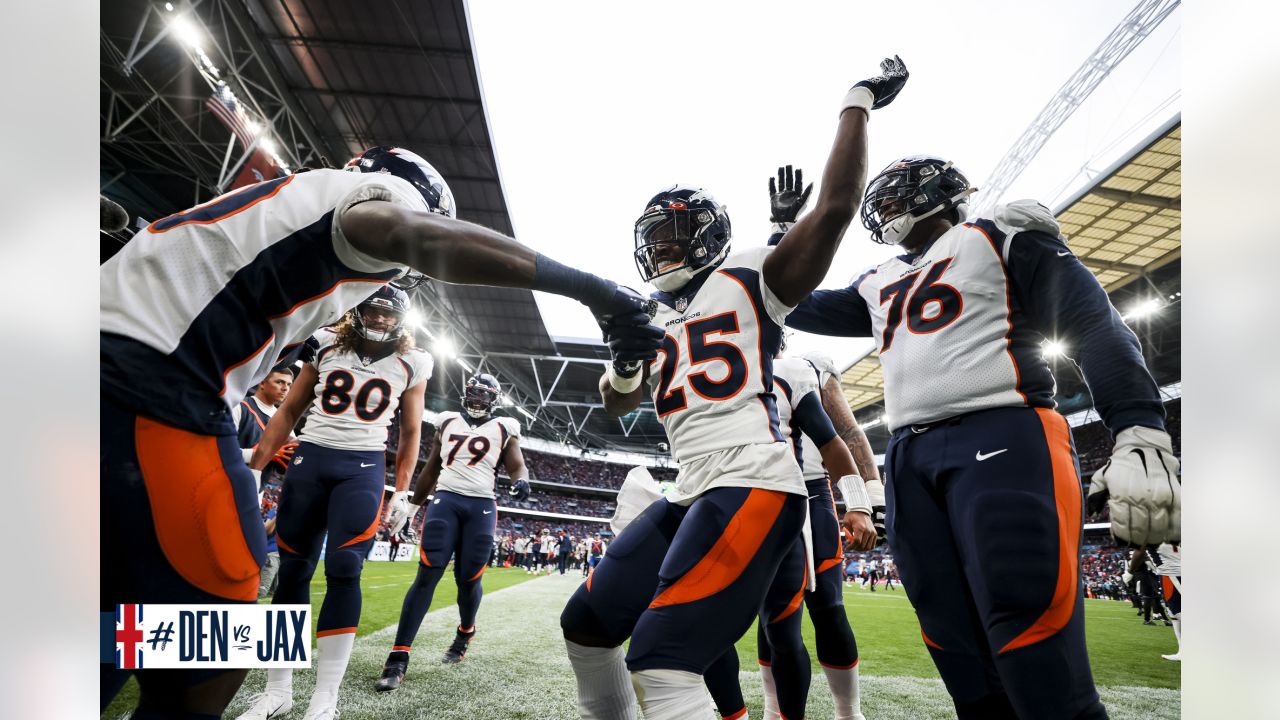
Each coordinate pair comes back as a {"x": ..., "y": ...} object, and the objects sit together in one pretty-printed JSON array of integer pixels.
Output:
[
  {"x": 334, "y": 485},
  {"x": 783, "y": 658},
  {"x": 200, "y": 305},
  {"x": 1168, "y": 561},
  {"x": 983, "y": 494},
  {"x": 458, "y": 481},
  {"x": 689, "y": 574}
]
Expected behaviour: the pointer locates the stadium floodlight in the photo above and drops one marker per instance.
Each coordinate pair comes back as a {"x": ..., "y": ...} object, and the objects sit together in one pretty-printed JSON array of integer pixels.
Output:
[
  {"x": 1143, "y": 309},
  {"x": 878, "y": 420},
  {"x": 168, "y": 6},
  {"x": 444, "y": 348},
  {"x": 413, "y": 319},
  {"x": 506, "y": 401},
  {"x": 187, "y": 32},
  {"x": 253, "y": 126},
  {"x": 1053, "y": 348}
]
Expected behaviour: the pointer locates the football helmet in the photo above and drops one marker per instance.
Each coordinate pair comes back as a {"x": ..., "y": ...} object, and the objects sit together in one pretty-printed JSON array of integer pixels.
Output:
[
  {"x": 910, "y": 190},
  {"x": 388, "y": 298},
  {"x": 682, "y": 232},
  {"x": 481, "y": 395},
  {"x": 408, "y": 166}
]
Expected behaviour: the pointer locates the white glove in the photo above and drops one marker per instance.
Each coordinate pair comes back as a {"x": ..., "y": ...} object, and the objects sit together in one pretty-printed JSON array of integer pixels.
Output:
[
  {"x": 399, "y": 510},
  {"x": 1142, "y": 484},
  {"x": 1127, "y": 577},
  {"x": 638, "y": 492}
]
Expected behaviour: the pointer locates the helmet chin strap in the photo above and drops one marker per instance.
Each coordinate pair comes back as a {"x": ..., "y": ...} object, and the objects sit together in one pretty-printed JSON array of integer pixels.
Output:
[
  {"x": 477, "y": 414},
  {"x": 672, "y": 282},
  {"x": 898, "y": 228}
]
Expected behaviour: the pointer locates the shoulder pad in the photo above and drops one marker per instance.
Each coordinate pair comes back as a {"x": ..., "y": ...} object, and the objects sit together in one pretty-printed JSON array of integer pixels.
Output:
[
  {"x": 511, "y": 424},
  {"x": 1021, "y": 215}
]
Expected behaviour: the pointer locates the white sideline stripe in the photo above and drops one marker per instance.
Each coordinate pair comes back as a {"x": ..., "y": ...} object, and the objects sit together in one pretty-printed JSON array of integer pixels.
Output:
[{"x": 517, "y": 667}]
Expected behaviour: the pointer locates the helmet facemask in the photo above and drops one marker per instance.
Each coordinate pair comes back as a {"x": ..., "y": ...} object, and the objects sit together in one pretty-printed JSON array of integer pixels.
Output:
[
  {"x": 909, "y": 191},
  {"x": 671, "y": 247},
  {"x": 479, "y": 398},
  {"x": 368, "y": 333}
]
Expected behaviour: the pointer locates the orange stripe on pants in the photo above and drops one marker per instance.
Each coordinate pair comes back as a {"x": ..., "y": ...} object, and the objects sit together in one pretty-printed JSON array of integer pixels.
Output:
[
  {"x": 369, "y": 531},
  {"x": 1066, "y": 494},
  {"x": 194, "y": 510},
  {"x": 731, "y": 553}
]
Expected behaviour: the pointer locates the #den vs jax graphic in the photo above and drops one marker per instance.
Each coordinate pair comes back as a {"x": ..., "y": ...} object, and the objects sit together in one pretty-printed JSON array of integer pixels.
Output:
[{"x": 150, "y": 636}]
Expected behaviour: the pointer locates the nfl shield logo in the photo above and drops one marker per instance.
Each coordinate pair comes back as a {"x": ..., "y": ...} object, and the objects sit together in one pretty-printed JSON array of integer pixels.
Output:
[{"x": 681, "y": 304}]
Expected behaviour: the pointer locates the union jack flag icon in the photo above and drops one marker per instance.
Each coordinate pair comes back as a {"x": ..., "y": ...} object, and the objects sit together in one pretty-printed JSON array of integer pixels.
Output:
[{"x": 129, "y": 637}]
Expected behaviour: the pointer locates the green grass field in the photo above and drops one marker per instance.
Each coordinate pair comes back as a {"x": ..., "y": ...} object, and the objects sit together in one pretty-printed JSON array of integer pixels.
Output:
[{"x": 517, "y": 666}]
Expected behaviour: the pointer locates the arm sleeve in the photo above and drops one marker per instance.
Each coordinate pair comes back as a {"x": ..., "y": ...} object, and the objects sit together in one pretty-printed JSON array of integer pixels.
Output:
[
  {"x": 813, "y": 420},
  {"x": 842, "y": 313},
  {"x": 1065, "y": 301}
]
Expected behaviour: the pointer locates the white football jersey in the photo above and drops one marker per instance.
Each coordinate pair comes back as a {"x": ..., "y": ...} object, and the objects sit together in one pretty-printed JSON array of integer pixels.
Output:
[
  {"x": 356, "y": 397},
  {"x": 712, "y": 383},
  {"x": 948, "y": 310},
  {"x": 470, "y": 453},
  {"x": 796, "y": 378},
  {"x": 1170, "y": 560},
  {"x": 200, "y": 305}
]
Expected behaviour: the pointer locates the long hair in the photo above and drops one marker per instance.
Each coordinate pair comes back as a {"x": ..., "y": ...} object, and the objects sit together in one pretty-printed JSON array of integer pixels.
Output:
[{"x": 348, "y": 340}]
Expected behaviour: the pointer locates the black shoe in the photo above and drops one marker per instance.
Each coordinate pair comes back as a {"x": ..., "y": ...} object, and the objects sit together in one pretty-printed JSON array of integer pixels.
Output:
[
  {"x": 1147, "y": 622},
  {"x": 458, "y": 649},
  {"x": 393, "y": 671}
]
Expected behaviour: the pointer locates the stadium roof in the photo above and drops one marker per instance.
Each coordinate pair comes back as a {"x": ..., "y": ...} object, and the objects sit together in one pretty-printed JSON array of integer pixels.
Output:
[{"x": 1125, "y": 226}]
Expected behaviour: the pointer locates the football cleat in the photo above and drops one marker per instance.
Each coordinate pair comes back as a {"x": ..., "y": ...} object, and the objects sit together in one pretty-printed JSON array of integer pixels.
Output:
[
  {"x": 1176, "y": 657},
  {"x": 393, "y": 672},
  {"x": 458, "y": 649},
  {"x": 323, "y": 706},
  {"x": 267, "y": 705}
]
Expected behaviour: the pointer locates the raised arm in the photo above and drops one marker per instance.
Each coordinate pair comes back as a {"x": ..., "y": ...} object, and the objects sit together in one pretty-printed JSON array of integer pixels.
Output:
[{"x": 804, "y": 254}]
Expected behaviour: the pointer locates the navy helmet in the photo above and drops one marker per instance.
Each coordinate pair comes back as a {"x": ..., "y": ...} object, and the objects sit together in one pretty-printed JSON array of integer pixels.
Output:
[
  {"x": 481, "y": 395},
  {"x": 409, "y": 166},
  {"x": 391, "y": 299},
  {"x": 910, "y": 190},
  {"x": 682, "y": 232}
]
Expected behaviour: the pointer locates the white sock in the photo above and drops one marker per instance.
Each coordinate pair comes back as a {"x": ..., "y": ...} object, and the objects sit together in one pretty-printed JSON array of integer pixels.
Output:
[
  {"x": 280, "y": 680},
  {"x": 672, "y": 695},
  {"x": 1177, "y": 629},
  {"x": 844, "y": 691},
  {"x": 332, "y": 654},
  {"x": 604, "y": 685},
  {"x": 771, "y": 711}
]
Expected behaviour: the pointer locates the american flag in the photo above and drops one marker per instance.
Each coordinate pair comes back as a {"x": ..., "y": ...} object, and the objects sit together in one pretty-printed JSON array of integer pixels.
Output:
[{"x": 223, "y": 104}]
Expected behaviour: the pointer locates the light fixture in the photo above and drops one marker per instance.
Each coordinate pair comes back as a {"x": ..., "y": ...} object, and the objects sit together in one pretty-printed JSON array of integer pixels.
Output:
[
  {"x": 413, "y": 319},
  {"x": 878, "y": 420},
  {"x": 168, "y": 6},
  {"x": 187, "y": 32},
  {"x": 1053, "y": 348},
  {"x": 444, "y": 348},
  {"x": 253, "y": 126},
  {"x": 1143, "y": 308}
]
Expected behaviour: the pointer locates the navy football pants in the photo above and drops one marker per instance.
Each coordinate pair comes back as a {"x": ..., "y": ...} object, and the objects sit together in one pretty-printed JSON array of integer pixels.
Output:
[
  {"x": 686, "y": 572},
  {"x": 334, "y": 491},
  {"x": 984, "y": 518},
  {"x": 457, "y": 526}
]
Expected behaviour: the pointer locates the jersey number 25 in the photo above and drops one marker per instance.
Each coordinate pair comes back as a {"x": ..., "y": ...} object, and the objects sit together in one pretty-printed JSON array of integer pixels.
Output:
[{"x": 702, "y": 350}]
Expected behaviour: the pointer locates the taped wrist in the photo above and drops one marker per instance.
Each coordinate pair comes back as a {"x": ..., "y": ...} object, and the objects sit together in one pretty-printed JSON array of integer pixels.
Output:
[
  {"x": 624, "y": 385},
  {"x": 855, "y": 494},
  {"x": 858, "y": 97},
  {"x": 553, "y": 277}
]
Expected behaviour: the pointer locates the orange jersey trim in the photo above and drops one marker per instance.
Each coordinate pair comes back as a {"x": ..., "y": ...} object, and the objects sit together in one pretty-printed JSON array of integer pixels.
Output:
[
  {"x": 1066, "y": 494},
  {"x": 151, "y": 228},
  {"x": 850, "y": 666},
  {"x": 726, "y": 560},
  {"x": 194, "y": 510},
  {"x": 1008, "y": 315}
]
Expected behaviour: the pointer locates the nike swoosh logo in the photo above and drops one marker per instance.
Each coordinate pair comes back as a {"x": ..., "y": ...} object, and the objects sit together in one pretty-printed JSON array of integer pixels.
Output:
[
  {"x": 367, "y": 464},
  {"x": 814, "y": 497},
  {"x": 980, "y": 457},
  {"x": 1063, "y": 253},
  {"x": 486, "y": 512}
]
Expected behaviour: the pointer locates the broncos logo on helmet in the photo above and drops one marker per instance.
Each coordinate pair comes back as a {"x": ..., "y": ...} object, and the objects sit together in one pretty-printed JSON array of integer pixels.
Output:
[
  {"x": 480, "y": 395},
  {"x": 682, "y": 232},
  {"x": 409, "y": 166}
]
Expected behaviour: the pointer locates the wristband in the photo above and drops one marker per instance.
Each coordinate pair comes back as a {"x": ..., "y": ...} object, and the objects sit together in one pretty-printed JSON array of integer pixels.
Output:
[
  {"x": 875, "y": 492},
  {"x": 855, "y": 495},
  {"x": 858, "y": 97},
  {"x": 624, "y": 385}
]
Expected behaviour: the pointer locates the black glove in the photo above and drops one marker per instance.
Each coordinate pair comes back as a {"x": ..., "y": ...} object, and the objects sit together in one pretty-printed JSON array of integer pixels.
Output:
[
  {"x": 786, "y": 200},
  {"x": 519, "y": 490},
  {"x": 626, "y": 308},
  {"x": 630, "y": 336},
  {"x": 886, "y": 87}
]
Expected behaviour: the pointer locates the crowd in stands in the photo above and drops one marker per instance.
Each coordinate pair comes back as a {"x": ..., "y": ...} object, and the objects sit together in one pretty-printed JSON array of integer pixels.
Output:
[{"x": 569, "y": 505}]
